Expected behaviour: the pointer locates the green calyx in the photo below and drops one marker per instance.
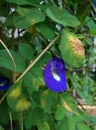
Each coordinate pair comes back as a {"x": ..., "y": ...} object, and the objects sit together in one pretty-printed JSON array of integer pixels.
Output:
[{"x": 72, "y": 49}]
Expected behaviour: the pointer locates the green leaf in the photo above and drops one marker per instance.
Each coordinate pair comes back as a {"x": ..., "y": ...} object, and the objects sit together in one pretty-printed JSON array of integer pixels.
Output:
[
  {"x": 60, "y": 113},
  {"x": 62, "y": 125},
  {"x": 83, "y": 11},
  {"x": 46, "y": 30},
  {"x": 34, "y": 118},
  {"x": 72, "y": 49},
  {"x": 62, "y": 16},
  {"x": 71, "y": 124},
  {"x": 92, "y": 25},
  {"x": 70, "y": 105},
  {"x": 47, "y": 100},
  {"x": 4, "y": 113},
  {"x": 25, "y": 2},
  {"x": 85, "y": 89},
  {"x": 82, "y": 126},
  {"x": 43, "y": 126},
  {"x": 33, "y": 80},
  {"x": 26, "y": 17},
  {"x": 6, "y": 62},
  {"x": 26, "y": 51},
  {"x": 17, "y": 96}
]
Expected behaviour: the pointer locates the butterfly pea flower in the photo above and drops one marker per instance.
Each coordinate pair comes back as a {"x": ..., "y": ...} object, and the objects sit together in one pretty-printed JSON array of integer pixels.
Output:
[
  {"x": 55, "y": 76},
  {"x": 4, "y": 83}
]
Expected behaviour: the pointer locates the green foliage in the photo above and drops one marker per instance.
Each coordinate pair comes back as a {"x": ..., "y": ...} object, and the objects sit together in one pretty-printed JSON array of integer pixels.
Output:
[
  {"x": 16, "y": 97},
  {"x": 34, "y": 32},
  {"x": 6, "y": 61},
  {"x": 26, "y": 17},
  {"x": 62, "y": 16},
  {"x": 26, "y": 51}
]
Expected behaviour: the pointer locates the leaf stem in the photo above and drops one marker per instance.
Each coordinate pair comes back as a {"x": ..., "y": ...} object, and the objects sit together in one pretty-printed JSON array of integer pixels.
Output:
[{"x": 35, "y": 61}]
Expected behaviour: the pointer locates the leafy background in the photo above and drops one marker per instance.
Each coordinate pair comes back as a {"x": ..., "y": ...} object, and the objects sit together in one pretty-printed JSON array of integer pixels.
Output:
[{"x": 28, "y": 28}]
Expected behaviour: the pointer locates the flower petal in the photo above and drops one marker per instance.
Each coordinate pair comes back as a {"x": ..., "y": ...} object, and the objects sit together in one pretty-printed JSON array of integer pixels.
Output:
[
  {"x": 4, "y": 83},
  {"x": 54, "y": 75}
]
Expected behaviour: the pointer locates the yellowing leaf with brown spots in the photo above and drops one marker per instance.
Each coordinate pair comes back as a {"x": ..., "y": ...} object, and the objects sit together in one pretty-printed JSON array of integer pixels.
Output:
[
  {"x": 17, "y": 99},
  {"x": 72, "y": 49}
]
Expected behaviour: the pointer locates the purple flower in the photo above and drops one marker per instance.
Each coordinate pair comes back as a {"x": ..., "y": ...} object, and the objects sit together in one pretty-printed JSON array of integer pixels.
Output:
[
  {"x": 54, "y": 75},
  {"x": 4, "y": 83}
]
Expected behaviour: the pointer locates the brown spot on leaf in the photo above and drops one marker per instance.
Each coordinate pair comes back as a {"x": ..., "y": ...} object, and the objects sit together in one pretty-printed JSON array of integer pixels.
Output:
[{"x": 77, "y": 46}]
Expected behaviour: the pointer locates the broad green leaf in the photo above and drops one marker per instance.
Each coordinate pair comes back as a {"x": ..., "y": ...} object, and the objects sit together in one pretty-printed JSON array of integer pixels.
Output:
[
  {"x": 33, "y": 118},
  {"x": 47, "y": 100},
  {"x": 4, "y": 113},
  {"x": 83, "y": 10},
  {"x": 25, "y": 2},
  {"x": 85, "y": 89},
  {"x": 60, "y": 113},
  {"x": 17, "y": 98},
  {"x": 26, "y": 17},
  {"x": 71, "y": 124},
  {"x": 26, "y": 51},
  {"x": 62, "y": 125},
  {"x": 46, "y": 30},
  {"x": 82, "y": 126},
  {"x": 69, "y": 104},
  {"x": 43, "y": 126},
  {"x": 6, "y": 62},
  {"x": 72, "y": 49},
  {"x": 62, "y": 16},
  {"x": 10, "y": 20},
  {"x": 33, "y": 80},
  {"x": 92, "y": 25},
  {"x": 3, "y": 11}
]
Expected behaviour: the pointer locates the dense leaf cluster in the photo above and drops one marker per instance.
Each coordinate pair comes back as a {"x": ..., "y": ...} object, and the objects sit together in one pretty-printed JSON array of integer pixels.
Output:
[{"x": 67, "y": 29}]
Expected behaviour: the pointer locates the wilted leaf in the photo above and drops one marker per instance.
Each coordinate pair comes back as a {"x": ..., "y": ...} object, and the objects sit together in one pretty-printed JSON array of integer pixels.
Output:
[{"x": 72, "y": 49}]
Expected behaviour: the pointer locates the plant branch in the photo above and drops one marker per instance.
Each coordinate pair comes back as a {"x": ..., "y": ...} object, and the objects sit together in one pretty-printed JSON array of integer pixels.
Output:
[
  {"x": 10, "y": 57},
  {"x": 21, "y": 121},
  {"x": 3, "y": 97},
  {"x": 11, "y": 124},
  {"x": 35, "y": 61},
  {"x": 92, "y": 5}
]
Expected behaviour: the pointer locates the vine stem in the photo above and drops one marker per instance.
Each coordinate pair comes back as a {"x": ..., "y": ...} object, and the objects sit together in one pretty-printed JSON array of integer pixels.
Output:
[
  {"x": 35, "y": 61},
  {"x": 11, "y": 57},
  {"x": 21, "y": 121},
  {"x": 11, "y": 124}
]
